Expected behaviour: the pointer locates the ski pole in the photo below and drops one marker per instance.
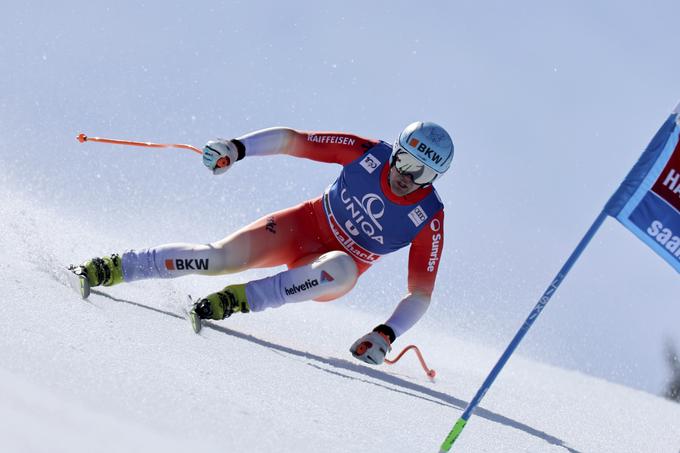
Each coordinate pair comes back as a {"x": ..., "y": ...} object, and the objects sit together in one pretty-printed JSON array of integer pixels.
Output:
[
  {"x": 545, "y": 298},
  {"x": 82, "y": 138},
  {"x": 430, "y": 372}
]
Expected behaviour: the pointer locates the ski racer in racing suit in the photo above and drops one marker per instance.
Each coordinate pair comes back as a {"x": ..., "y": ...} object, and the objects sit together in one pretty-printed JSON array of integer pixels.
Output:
[{"x": 382, "y": 201}]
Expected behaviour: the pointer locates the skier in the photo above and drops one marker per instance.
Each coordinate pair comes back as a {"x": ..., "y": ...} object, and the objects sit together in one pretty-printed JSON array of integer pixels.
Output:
[{"x": 382, "y": 201}]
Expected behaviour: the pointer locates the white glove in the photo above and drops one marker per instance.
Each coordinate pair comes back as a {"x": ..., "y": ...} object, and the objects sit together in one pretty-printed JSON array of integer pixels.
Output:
[
  {"x": 371, "y": 348},
  {"x": 219, "y": 155}
]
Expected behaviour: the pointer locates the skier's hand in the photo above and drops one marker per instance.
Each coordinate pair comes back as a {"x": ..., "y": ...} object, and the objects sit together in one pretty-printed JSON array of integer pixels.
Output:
[
  {"x": 219, "y": 155},
  {"x": 371, "y": 348}
]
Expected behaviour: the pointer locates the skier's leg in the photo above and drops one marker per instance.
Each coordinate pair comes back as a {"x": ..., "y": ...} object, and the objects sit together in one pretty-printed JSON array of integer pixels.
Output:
[
  {"x": 247, "y": 248},
  {"x": 173, "y": 260},
  {"x": 328, "y": 277},
  {"x": 273, "y": 240}
]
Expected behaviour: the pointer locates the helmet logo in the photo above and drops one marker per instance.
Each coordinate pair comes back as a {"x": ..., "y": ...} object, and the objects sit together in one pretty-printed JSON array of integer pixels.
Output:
[
  {"x": 437, "y": 136},
  {"x": 426, "y": 151}
]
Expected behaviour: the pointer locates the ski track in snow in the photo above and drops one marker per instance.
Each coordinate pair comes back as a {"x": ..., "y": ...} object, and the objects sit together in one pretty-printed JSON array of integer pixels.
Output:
[{"x": 122, "y": 372}]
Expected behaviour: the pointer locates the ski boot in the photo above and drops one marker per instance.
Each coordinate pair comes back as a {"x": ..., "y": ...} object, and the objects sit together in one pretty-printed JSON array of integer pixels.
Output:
[
  {"x": 219, "y": 305},
  {"x": 106, "y": 271}
]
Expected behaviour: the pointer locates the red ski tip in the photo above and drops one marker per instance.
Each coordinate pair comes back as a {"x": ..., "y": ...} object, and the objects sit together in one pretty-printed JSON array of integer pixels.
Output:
[{"x": 82, "y": 138}]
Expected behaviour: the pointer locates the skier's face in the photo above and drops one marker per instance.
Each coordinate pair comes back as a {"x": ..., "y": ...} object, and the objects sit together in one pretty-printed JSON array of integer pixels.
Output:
[{"x": 401, "y": 185}]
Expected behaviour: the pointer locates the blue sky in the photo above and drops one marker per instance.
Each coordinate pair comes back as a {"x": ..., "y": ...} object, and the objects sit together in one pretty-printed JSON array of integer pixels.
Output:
[{"x": 549, "y": 104}]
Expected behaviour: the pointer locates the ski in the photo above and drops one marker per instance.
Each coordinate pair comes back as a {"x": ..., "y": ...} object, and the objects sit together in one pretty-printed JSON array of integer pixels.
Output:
[
  {"x": 193, "y": 317},
  {"x": 78, "y": 282}
]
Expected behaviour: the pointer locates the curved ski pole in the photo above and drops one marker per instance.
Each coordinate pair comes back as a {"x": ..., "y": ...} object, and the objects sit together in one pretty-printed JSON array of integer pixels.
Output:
[
  {"x": 82, "y": 138},
  {"x": 430, "y": 372}
]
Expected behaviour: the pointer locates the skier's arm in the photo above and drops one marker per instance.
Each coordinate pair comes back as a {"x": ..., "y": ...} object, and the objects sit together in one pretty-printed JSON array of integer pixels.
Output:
[
  {"x": 424, "y": 257},
  {"x": 331, "y": 147},
  {"x": 423, "y": 264}
]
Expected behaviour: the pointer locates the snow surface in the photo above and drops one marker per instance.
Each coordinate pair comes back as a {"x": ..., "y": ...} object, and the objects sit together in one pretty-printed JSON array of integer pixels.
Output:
[
  {"x": 549, "y": 103},
  {"x": 123, "y": 372}
]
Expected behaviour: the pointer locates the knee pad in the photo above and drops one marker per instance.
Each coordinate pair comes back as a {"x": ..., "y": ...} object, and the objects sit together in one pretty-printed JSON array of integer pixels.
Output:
[
  {"x": 328, "y": 277},
  {"x": 337, "y": 270}
]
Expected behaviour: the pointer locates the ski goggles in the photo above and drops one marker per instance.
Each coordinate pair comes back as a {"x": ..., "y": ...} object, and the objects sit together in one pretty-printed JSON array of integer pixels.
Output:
[{"x": 408, "y": 165}]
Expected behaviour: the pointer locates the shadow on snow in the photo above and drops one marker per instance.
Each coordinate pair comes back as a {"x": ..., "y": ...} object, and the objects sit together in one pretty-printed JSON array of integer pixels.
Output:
[{"x": 340, "y": 367}]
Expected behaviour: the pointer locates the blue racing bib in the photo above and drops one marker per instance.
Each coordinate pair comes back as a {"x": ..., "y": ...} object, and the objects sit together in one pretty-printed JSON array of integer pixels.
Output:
[{"x": 363, "y": 219}]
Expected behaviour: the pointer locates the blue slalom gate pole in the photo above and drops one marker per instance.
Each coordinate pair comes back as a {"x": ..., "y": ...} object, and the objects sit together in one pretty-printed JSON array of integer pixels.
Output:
[{"x": 462, "y": 421}]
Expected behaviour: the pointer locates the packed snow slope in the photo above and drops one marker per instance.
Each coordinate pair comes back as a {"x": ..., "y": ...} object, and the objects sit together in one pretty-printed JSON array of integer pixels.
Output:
[
  {"x": 122, "y": 372},
  {"x": 549, "y": 104}
]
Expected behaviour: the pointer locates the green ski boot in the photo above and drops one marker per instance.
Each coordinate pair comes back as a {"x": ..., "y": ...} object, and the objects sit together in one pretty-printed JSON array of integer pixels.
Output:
[
  {"x": 106, "y": 271},
  {"x": 219, "y": 305}
]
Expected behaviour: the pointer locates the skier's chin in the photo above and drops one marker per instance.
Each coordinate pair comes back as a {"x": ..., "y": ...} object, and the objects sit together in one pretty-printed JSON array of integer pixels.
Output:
[{"x": 400, "y": 189}]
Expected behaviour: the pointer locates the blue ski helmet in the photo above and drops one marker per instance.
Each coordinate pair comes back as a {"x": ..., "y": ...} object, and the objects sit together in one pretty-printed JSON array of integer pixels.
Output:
[{"x": 429, "y": 144}]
